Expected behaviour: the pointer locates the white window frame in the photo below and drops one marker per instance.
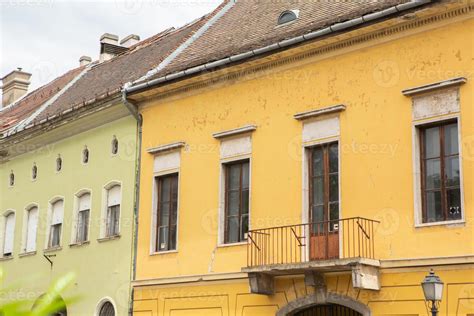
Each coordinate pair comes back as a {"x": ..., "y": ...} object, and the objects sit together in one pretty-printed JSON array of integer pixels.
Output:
[
  {"x": 102, "y": 302},
  {"x": 172, "y": 165},
  {"x": 104, "y": 209},
  {"x": 75, "y": 218},
  {"x": 25, "y": 231},
  {"x": 418, "y": 195},
  {"x": 49, "y": 221},
  {"x": 3, "y": 227}
]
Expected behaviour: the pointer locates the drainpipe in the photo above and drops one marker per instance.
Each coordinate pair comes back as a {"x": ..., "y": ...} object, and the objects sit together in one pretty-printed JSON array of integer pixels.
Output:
[{"x": 133, "y": 109}]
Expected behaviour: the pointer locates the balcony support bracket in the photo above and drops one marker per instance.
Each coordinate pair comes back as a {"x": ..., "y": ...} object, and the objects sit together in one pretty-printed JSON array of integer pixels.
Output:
[
  {"x": 261, "y": 283},
  {"x": 366, "y": 277}
]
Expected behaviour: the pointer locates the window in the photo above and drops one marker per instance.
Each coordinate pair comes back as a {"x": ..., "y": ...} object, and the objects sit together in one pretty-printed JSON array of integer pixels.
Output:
[
  {"x": 59, "y": 163},
  {"x": 34, "y": 172},
  {"x": 57, "y": 213},
  {"x": 31, "y": 228},
  {"x": 440, "y": 170},
  {"x": 115, "y": 145},
  {"x": 286, "y": 17},
  {"x": 167, "y": 212},
  {"x": 113, "y": 211},
  {"x": 107, "y": 309},
  {"x": 83, "y": 214},
  {"x": 12, "y": 179},
  {"x": 85, "y": 155},
  {"x": 236, "y": 201},
  {"x": 324, "y": 186},
  {"x": 9, "y": 234}
]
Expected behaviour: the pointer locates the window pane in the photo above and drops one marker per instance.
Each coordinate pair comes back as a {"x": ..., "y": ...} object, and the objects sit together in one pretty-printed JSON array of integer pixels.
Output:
[
  {"x": 245, "y": 201},
  {"x": 433, "y": 174},
  {"x": 434, "y": 212},
  {"x": 333, "y": 158},
  {"x": 432, "y": 142},
  {"x": 318, "y": 190},
  {"x": 318, "y": 162},
  {"x": 164, "y": 214},
  {"x": 334, "y": 188},
  {"x": 452, "y": 171},
  {"x": 334, "y": 215},
  {"x": 233, "y": 229},
  {"x": 172, "y": 243},
  {"x": 55, "y": 235},
  {"x": 245, "y": 175},
  {"x": 234, "y": 177},
  {"x": 163, "y": 238},
  {"x": 244, "y": 227},
  {"x": 174, "y": 213},
  {"x": 454, "y": 204},
  {"x": 165, "y": 189},
  {"x": 233, "y": 203},
  {"x": 451, "y": 146},
  {"x": 318, "y": 213}
]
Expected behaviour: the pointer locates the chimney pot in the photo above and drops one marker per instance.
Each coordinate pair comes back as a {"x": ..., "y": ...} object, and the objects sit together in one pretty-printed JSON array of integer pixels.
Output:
[
  {"x": 84, "y": 60},
  {"x": 14, "y": 86},
  {"x": 109, "y": 38},
  {"x": 130, "y": 40}
]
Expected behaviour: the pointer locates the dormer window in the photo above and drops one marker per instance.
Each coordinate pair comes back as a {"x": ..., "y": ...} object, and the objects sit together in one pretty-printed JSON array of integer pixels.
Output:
[{"x": 288, "y": 16}]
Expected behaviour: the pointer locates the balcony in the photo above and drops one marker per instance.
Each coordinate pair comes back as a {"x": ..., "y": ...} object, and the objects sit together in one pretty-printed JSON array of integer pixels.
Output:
[{"x": 320, "y": 247}]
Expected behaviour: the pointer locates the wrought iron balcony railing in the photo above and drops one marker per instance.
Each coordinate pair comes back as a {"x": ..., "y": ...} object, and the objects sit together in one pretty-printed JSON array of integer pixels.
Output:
[{"x": 328, "y": 240}]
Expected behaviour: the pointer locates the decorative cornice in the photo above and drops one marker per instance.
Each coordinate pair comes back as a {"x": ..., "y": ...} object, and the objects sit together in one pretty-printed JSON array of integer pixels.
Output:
[
  {"x": 434, "y": 86},
  {"x": 190, "y": 279},
  {"x": 236, "y": 131},
  {"x": 315, "y": 113},
  {"x": 165, "y": 148}
]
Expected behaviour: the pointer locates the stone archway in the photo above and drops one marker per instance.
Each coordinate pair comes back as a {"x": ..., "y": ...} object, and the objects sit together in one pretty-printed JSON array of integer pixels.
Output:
[{"x": 330, "y": 302}]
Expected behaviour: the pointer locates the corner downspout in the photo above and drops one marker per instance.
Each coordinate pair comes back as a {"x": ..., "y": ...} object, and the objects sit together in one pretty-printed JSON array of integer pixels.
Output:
[{"x": 135, "y": 113}]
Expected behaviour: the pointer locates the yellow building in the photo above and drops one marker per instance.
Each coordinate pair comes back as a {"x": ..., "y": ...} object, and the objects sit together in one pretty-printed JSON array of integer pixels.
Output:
[{"x": 354, "y": 117}]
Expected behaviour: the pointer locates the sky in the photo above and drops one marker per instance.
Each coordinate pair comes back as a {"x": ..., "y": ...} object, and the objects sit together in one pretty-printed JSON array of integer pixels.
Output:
[{"x": 47, "y": 37}]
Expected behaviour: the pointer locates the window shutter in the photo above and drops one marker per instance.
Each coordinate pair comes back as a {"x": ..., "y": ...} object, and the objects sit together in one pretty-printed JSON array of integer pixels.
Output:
[
  {"x": 31, "y": 229},
  {"x": 113, "y": 197},
  {"x": 9, "y": 233},
  {"x": 85, "y": 202},
  {"x": 57, "y": 214}
]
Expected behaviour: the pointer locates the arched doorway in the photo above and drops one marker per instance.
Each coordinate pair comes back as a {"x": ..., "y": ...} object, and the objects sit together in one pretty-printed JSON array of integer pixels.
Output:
[{"x": 328, "y": 310}]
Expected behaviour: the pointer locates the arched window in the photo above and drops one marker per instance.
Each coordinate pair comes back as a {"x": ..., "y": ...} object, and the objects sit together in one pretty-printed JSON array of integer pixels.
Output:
[
  {"x": 107, "y": 309},
  {"x": 59, "y": 163},
  {"x": 85, "y": 155},
  {"x": 83, "y": 214},
  {"x": 30, "y": 229},
  {"x": 112, "y": 227},
  {"x": 286, "y": 17},
  {"x": 12, "y": 179},
  {"x": 34, "y": 172},
  {"x": 57, "y": 214},
  {"x": 9, "y": 234},
  {"x": 115, "y": 145}
]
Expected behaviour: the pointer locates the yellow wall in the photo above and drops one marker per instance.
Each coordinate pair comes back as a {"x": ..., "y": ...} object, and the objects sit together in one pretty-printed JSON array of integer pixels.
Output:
[{"x": 376, "y": 156}]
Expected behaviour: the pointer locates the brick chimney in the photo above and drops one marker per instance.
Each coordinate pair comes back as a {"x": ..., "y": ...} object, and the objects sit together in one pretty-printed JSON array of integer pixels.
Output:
[
  {"x": 130, "y": 40},
  {"x": 109, "y": 47},
  {"x": 14, "y": 86}
]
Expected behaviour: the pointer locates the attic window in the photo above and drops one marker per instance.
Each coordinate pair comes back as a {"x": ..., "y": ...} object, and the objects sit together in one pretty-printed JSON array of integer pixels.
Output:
[{"x": 287, "y": 16}]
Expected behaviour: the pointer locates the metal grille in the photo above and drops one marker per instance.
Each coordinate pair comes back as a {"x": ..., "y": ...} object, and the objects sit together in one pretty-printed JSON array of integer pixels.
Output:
[
  {"x": 107, "y": 309},
  {"x": 328, "y": 310}
]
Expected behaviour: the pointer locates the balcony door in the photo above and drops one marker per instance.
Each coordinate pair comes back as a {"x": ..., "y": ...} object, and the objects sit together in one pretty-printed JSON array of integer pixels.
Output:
[{"x": 324, "y": 201}]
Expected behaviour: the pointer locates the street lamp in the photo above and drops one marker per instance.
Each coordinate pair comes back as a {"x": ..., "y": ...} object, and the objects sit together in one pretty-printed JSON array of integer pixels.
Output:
[{"x": 433, "y": 290}]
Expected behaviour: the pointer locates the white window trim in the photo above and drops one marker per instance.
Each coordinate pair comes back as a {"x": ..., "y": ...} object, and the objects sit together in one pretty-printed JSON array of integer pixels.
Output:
[
  {"x": 75, "y": 214},
  {"x": 103, "y": 215},
  {"x": 2, "y": 231},
  {"x": 416, "y": 156},
  {"x": 221, "y": 209},
  {"x": 154, "y": 212},
  {"x": 49, "y": 219},
  {"x": 24, "y": 232},
  {"x": 102, "y": 302}
]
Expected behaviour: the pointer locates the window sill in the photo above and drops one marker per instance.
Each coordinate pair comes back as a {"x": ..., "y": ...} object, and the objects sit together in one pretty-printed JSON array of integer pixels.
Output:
[
  {"x": 79, "y": 244},
  {"x": 6, "y": 258},
  {"x": 52, "y": 249},
  {"x": 159, "y": 253},
  {"x": 242, "y": 243},
  {"x": 108, "y": 238},
  {"x": 455, "y": 223},
  {"x": 27, "y": 254}
]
